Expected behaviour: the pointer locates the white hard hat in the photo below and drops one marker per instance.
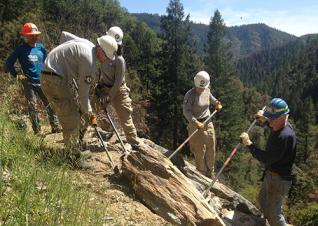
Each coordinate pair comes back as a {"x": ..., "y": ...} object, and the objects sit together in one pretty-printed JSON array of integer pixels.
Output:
[
  {"x": 202, "y": 79},
  {"x": 116, "y": 33},
  {"x": 109, "y": 46}
]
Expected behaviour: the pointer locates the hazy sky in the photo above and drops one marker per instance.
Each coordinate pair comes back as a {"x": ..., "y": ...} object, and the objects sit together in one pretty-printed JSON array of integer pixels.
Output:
[{"x": 296, "y": 17}]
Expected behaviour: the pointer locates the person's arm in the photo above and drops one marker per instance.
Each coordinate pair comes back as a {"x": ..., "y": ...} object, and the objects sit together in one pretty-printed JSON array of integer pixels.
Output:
[
  {"x": 273, "y": 153},
  {"x": 11, "y": 61},
  {"x": 119, "y": 76},
  {"x": 187, "y": 112},
  {"x": 86, "y": 77},
  {"x": 213, "y": 100}
]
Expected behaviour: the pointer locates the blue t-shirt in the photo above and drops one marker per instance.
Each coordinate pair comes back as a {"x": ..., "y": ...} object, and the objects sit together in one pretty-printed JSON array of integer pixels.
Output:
[{"x": 31, "y": 60}]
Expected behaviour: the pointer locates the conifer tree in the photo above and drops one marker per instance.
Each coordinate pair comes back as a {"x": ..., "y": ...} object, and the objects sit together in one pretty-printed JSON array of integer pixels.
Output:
[
  {"x": 226, "y": 87},
  {"x": 178, "y": 64}
]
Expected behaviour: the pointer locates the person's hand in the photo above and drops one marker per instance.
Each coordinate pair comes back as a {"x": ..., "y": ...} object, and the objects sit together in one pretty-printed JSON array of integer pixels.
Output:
[
  {"x": 92, "y": 118},
  {"x": 21, "y": 77},
  {"x": 218, "y": 106},
  {"x": 200, "y": 125},
  {"x": 259, "y": 116},
  {"x": 245, "y": 139}
]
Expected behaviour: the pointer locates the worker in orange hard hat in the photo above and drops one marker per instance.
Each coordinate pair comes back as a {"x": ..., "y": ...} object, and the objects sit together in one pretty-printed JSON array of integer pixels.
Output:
[{"x": 31, "y": 56}]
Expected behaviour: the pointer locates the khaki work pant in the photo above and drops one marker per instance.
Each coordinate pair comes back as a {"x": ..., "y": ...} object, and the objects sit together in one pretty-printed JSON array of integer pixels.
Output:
[
  {"x": 62, "y": 100},
  {"x": 122, "y": 105},
  {"x": 202, "y": 145}
]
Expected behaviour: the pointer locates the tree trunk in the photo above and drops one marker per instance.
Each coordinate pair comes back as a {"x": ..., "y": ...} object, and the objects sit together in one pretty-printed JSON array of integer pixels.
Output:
[{"x": 166, "y": 190}]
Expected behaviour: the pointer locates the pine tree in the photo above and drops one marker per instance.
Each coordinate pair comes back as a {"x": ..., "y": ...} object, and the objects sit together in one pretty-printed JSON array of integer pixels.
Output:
[
  {"x": 178, "y": 64},
  {"x": 227, "y": 88}
]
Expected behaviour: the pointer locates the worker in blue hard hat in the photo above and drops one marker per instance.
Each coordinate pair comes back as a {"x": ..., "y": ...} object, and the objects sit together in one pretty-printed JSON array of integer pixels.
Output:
[{"x": 278, "y": 157}]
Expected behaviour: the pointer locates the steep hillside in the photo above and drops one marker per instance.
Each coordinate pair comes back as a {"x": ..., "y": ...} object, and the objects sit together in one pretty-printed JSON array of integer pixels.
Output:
[{"x": 245, "y": 39}]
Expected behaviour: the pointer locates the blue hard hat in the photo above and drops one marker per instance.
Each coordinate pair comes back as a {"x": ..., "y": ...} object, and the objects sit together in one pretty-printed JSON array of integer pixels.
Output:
[{"x": 276, "y": 108}]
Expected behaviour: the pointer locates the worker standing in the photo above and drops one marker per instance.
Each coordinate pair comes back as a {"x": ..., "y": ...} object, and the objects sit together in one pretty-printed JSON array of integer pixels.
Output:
[
  {"x": 113, "y": 90},
  {"x": 71, "y": 64},
  {"x": 196, "y": 110},
  {"x": 278, "y": 157},
  {"x": 31, "y": 56}
]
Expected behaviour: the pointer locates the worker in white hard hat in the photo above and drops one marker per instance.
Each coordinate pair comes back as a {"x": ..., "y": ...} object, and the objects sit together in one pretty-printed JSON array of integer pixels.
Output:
[
  {"x": 113, "y": 90},
  {"x": 196, "y": 110},
  {"x": 69, "y": 71}
]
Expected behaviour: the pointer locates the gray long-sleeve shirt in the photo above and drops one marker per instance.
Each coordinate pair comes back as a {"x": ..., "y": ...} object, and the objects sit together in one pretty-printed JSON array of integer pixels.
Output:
[
  {"x": 75, "y": 59},
  {"x": 113, "y": 75},
  {"x": 196, "y": 105},
  {"x": 67, "y": 36}
]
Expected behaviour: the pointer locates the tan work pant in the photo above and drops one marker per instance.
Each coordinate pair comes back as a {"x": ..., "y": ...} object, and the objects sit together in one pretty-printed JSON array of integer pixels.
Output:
[
  {"x": 202, "y": 145},
  {"x": 122, "y": 105},
  {"x": 62, "y": 100}
]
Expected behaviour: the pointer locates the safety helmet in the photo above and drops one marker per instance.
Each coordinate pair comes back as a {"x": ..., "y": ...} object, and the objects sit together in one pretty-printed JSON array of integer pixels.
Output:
[
  {"x": 116, "y": 33},
  {"x": 202, "y": 79},
  {"x": 276, "y": 108},
  {"x": 109, "y": 46},
  {"x": 29, "y": 29}
]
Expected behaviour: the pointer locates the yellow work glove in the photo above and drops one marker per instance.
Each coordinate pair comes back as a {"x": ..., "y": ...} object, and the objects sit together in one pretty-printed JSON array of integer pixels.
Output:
[
  {"x": 218, "y": 106},
  {"x": 259, "y": 116},
  {"x": 245, "y": 139},
  {"x": 91, "y": 118},
  {"x": 21, "y": 77},
  {"x": 200, "y": 125}
]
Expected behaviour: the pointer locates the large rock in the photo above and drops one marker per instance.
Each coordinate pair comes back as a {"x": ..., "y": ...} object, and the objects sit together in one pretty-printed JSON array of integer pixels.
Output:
[{"x": 162, "y": 187}]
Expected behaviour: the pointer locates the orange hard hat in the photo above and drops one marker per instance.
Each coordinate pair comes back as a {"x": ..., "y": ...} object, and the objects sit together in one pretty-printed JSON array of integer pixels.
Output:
[{"x": 29, "y": 29}]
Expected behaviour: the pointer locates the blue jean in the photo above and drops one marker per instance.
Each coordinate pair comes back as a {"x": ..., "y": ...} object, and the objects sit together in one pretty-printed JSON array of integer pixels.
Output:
[
  {"x": 271, "y": 197},
  {"x": 30, "y": 92}
]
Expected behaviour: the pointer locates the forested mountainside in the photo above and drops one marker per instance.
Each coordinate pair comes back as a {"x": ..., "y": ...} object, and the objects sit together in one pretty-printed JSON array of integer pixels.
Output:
[
  {"x": 245, "y": 39},
  {"x": 160, "y": 72}
]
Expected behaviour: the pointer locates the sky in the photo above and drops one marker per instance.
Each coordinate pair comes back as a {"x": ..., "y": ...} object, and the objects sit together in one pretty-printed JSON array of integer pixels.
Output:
[{"x": 297, "y": 17}]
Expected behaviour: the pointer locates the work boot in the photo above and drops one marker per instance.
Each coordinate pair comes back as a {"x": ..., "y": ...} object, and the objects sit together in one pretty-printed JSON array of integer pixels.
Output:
[{"x": 79, "y": 159}]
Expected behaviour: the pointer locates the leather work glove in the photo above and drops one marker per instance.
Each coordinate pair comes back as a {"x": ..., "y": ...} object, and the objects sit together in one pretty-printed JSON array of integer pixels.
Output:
[
  {"x": 218, "y": 106},
  {"x": 92, "y": 118},
  {"x": 245, "y": 139},
  {"x": 200, "y": 125},
  {"x": 21, "y": 77},
  {"x": 259, "y": 116}
]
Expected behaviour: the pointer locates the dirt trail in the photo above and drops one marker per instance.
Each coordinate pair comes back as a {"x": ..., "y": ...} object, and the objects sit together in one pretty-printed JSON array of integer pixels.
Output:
[{"x": 108, "y": 188}]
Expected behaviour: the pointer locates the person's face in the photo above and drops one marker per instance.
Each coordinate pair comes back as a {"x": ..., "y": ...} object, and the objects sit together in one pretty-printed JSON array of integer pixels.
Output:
[
  {"x": 101, "y": 56},
  {"x": 31, "y": 39},
  {"x": 278, "y": 123},
  {"x": 199, "y": 89}
]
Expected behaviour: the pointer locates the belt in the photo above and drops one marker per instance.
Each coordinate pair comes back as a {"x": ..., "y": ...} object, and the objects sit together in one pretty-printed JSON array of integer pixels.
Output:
[
  {"x": 288, "y": 178},
  {"x": 103, "y": 85},
  {"x": 51, "y": 73}
]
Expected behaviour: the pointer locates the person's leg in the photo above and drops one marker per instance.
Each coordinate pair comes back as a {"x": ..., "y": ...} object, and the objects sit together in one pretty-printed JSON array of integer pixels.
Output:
[
  {"x": 52, "y": 116},
  {"x": 277, "y": 189},
  {"x": 29, "y": 93},
  {"x": 123, "y": 108},
  {"x": 210, "y": 149},
  {"x": 59, "y": 96},
  {"x": 262, "y": 196},
  {"x": 197, "y": 147}
]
